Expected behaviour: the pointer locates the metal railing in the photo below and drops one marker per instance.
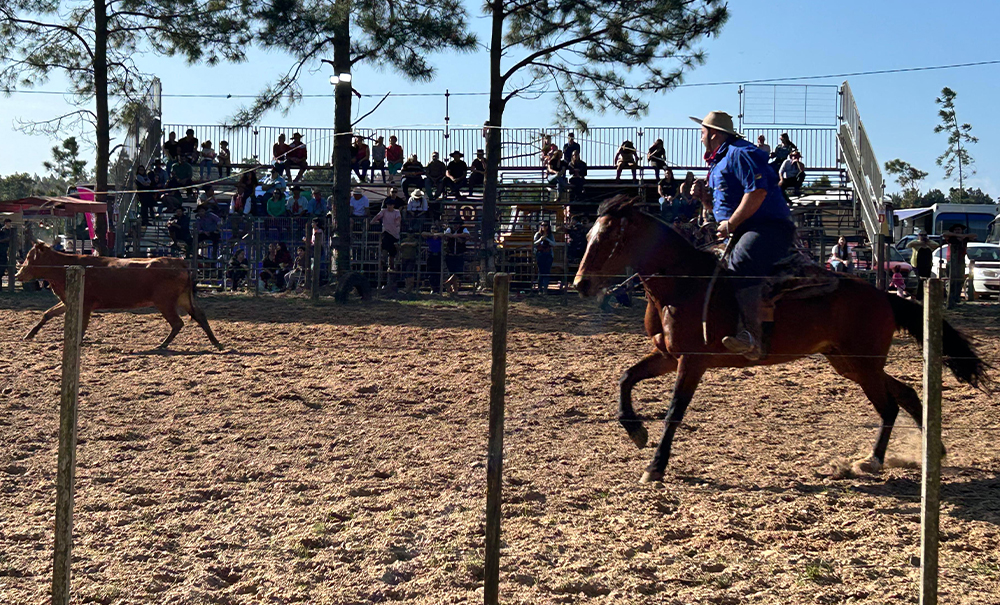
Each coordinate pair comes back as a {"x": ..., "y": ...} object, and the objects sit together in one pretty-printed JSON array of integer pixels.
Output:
[
  {"x": 141, "y": 146},
  {"x": 862, "y": 165}
]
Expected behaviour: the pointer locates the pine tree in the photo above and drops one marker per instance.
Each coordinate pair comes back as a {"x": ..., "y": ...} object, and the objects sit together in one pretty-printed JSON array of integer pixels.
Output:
[
  {"x": 907, "y": 176},
  {"x": 66, "y": 163},
  {"x": 955, "y": 156}
]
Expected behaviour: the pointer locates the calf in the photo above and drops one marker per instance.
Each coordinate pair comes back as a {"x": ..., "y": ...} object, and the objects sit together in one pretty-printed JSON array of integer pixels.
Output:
[{"x": 118, "y": 283}]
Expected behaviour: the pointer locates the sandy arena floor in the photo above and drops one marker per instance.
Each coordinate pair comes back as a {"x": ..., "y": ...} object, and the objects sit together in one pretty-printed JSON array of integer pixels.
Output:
[{"x": 336, "y": 454}]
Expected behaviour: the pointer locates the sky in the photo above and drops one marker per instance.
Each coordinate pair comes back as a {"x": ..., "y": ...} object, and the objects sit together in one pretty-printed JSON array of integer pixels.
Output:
[{"x": 763, "y": 39}]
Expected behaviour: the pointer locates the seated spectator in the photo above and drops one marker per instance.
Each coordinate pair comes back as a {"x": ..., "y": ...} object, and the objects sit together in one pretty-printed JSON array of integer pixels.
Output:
[
  {"x": 413, "y": 175},
  {"x": 478, "y": 175},
  {"x": 547, "y": 148},
  {"x": 686, "y": 187},
  {"x": 557, "y": 171},
  {"x": 207, "y": 200},
  {"x": 316, "y": 206},
  {"x": 840, "y": 257},
  {"x": 701, "y": 195},
  {"x": 296, "y": 278},
  {"x": 171, "y": 148},
  {"x": 205, "y": 161},
  {"x": 238, "y": 269},
  {"x": 271, "y": 273},
  {"x": 162, "y": 176},
  {"x": 456, "y": 236},
  {"x": 277, "y": 204},
  {"x": 626, "y": 157},
  {"x": 657, "y": 157},
  {"x": 182, "y": 175},
  {"x": 570, "y": 148},
  {"x": 394, "y": 194},
  {"x": 392, "y": 222},
  {"x": 188, "y": 147},
  {"x": 378, "y": 158},
  {"x": 455, "y": 175},
  {"x": 296, "y": 204},
  {"x": 209, "y": 224},
  {"x": 577, "y": 176},
  {"x": 665, "y": 199},
  {"x": 416, "y": 211},
  {"x": 280, "y": 153},
  {"x": 297, "y": 156},
  {"x": 436, "y": 171},
  {"x": 362, "y": 159},
  {"x": 284, "y": 256},
  {"x": 792, "y": 173},
  {"x": 179, "y": 230},
  {"x": 781, "y": 152},
  {"x": 359, "y": 203},
  {"x": 242, "y": 203},
  {"x": 762, "y": 145},
  {"x": 394, "y": 158},
  {"x": 224, "y": 160}
]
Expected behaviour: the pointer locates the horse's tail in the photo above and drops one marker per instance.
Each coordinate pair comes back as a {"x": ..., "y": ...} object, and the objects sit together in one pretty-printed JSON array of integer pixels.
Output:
[{"x": 959, "y": 354}]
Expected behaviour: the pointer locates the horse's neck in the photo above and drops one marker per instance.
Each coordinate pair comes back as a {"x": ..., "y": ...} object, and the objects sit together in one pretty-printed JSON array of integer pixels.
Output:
[{"x": 675, "y": 271}]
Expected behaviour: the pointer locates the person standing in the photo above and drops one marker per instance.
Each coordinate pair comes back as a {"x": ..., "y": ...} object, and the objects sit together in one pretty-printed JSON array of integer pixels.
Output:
[
  {"x": 456, "y": 237},
  {"x": 544, "y": 244},
  {"x": 958, "y": 243},
  {"x": 751, "y": 209},
  {"x": 392, "y": 223},
  {"x": 922, "y": 259}
]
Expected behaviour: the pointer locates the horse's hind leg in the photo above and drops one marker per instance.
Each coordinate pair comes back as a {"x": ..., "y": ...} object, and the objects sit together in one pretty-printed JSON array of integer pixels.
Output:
[
  {"x": 55, "y": 311},
  {"x": 908, "y": 399},
  {"x": 875, "y": 383},
  {"x": 652, "y": 365},
  {"x": 199, "y": 316}
]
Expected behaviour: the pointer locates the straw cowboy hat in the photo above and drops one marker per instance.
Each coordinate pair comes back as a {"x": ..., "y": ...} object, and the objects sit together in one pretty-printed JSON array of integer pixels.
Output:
[
  {"x": 418, "y": 193},
  {"x": 718, "y": 120}
]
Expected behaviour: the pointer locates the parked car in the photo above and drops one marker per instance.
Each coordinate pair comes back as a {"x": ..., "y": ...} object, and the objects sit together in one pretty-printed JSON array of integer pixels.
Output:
[
  {"x": 906, "y": 239},
  {"x": 982, "y": 262},
  {"x": 863, "y": 264}
]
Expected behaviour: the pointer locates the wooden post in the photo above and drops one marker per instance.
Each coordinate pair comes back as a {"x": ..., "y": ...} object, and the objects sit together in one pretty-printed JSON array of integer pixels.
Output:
[
  {"x": 930, "y": 501},
  {"x": 67, "y": 435},
  {"x": 494, "y": 459}
]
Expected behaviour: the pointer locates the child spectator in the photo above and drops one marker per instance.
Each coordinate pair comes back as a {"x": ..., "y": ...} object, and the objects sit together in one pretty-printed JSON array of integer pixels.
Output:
[
  {"x": 544, "y": 243},
  {"x": 898, "y": 283},
  {"x": 238, "y": 269},
  {"x": 394, "y": 157},
  {"x": 280, "y": 152},
  {"x": 224, "y": 160},
  {"x": 378, "y": 158},
  {"x": 626, "y": 157},
  {"x": 295, "y": 278},
  {"x": 391, "y": 221},
  {"x": 297, "y": 156},
  {"x": 206, "y": 161}
]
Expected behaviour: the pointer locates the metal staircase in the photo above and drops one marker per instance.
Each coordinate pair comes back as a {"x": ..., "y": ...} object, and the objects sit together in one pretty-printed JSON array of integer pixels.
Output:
[{"x": 861, "y": 164}]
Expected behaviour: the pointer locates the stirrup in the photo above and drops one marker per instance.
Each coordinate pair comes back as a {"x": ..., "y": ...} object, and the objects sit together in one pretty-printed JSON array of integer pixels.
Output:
[{"x": 743, "y": 344}]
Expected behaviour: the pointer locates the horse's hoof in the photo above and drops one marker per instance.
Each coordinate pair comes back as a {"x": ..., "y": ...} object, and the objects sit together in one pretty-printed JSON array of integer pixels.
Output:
[
  {"x": 866, "y": 466},
  {"x": 639, "y": 436},
  {"x": 220, "y": 346},
  {"x": 651, "y": 477}
]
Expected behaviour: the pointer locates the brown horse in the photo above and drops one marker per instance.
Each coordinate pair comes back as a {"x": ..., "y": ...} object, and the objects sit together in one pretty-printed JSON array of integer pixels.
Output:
[
  {"x": 118, "y": 283},
  {"x": 852, "y": 327}
]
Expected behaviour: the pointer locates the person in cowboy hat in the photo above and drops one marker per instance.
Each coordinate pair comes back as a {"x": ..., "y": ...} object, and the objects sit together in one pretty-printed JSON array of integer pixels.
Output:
[
  {"x": 750, "y": 208},
  {"x": 455, "y": 175},
  {"x": 478, "y": 167},
  {"x": 416, "y": 210},
  {"x": 297, "y": 156}
]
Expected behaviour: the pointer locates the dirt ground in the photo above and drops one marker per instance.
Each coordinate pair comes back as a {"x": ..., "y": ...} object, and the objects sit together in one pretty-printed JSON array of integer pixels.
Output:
[{"x": 336, "y": 454}]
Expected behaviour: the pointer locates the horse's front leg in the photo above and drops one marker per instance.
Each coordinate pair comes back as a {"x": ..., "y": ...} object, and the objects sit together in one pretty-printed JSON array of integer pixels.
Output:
[
  {"x": 655, "y": 364},
  {"x": 689, "y": 373}
]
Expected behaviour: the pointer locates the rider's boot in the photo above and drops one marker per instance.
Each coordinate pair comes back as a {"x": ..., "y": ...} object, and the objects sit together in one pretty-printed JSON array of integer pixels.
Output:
[{"x": 748, "y": 340}]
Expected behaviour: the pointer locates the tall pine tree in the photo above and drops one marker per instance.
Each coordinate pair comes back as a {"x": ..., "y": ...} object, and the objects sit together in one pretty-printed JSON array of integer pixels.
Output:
[{"x": 956, "y": 156}]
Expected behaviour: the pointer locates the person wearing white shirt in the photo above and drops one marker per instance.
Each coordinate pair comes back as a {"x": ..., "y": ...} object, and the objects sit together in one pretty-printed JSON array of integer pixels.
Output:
[
  {"x": 359, "y": 203},
  {"x": 416, "y": 210}
]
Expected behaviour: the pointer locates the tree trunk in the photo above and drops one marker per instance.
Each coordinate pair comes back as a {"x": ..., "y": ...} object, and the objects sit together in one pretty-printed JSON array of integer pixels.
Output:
[
  {"x": 494, "y": 142},
  {"x": 103, "y": 124},
  {"x": 342, "y": 143}
]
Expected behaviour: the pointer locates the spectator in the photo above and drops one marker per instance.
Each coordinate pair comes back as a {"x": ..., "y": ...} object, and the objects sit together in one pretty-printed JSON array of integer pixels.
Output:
[
  {"x": 665, "y": 199},
  {"x": 359, "y": 203},
  {"x": 296, "y": 278},
  {"x": 284, "y": 256},
  {"x": 578, "y": 175},
  {"x": 413, "y": 174},
  {"x": 544, "y": 243},
  {"x": 271, "y": 273},
  {"x": 207, "y": 199},
  {"x": 181, "y": 176},
  {"x": 362, "y": 159},
  {"x": 316, "y": 206},
  {"x": 687, "y": 186},
  {"x": 625, "y": 157},
  {"x": 297, "y": 203},
  {"x": 433, "y": 240},
  {"x": 277, "y": 204},
  {"x": 378, "y": 158},
  {"x": 162, "y": 176},
  {"x": 172, "y": 149},
  {"x": 762, "y": 145},
  {"x": 547, "y": 148},
  {"x": 391, "y": 221},
  {"x": 455, "y": 176},
  {"x": 188, "y": 147},
  {"x": 208, "y": 224},
  {"x": 571, "y": 147},
  {"x": 922, "y": 259},
  {"x": 394, "y": 157},
  {"x": 250, "y": 186},
  {"x": 478, "y": 175},
  {"x": 143, "y": 186},
  {"x": 179, "y": 230},
  {"x": 781, "y": 152},
  {"x": 840, "y": 257},
  {"x": 701, "y": 194},
  {"x": 238, "y": 269},
  {"x": 224, "y": 160},
  {"x": 436, "y": 170},
  {"x": 958, "y": 244},
  {"x": 393, "y": 193},
  {"x": 6, "y": 237},
  {"x": 456, "y": 237},
  {"x": 657, "y": 157},
  {"x": 280, "y": 153},
  {"x": 297, "y": 156},
  {"x": 242, "y": 202},
  {"x": 792, "y": 173},
  {"x": 576, "y": 238},
  {"x": 416, "y": 210},
  {"x": 408, "y": 250},
  {"x": 898, "y": 283},
  {"x": 557, "y": 171},
  {"x": 205, "y": 161}
]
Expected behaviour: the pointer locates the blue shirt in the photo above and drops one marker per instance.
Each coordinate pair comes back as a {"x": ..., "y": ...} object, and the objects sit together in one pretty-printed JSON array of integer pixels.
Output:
[{"x": 738, "y": 167}]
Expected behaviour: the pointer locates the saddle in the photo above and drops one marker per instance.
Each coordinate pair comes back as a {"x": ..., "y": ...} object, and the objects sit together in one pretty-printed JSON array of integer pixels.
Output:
[{"x": 796, "y": 277}]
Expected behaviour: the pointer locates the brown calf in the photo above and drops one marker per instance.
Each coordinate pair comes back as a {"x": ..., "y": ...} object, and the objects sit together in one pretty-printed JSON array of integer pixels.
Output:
[{"x": 118, "y": 283}]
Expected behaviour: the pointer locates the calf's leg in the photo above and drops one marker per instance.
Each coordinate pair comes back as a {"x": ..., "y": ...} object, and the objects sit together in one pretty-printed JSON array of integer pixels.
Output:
[
  {"x": 175, "y": 321},
  {"x": 55, "y": 311},
  {"x": 199, "y": 316}
]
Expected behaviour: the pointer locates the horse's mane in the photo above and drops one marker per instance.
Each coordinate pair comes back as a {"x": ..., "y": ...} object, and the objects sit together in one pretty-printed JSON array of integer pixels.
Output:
[{"x": 622, "y": 205}]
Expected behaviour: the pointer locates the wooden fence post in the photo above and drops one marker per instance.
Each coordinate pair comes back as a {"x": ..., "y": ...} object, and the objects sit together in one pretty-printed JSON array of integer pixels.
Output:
[
  {"x": 66, "y": 475},
  {"x": 494, "y": 460},
  {"x": 11, "y": 260},
  {"x": 930, "y": 501}
]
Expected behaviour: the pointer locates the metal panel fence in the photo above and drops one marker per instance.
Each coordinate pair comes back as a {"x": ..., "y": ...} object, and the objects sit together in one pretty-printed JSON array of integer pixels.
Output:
[{"x": 521, "y": 146}]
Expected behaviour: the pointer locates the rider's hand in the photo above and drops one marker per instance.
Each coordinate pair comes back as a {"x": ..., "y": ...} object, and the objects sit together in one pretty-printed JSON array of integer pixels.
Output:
[{"x": 722, "y": 230}]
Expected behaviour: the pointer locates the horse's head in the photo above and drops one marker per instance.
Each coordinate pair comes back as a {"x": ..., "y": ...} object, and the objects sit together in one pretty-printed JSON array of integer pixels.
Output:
[
  {"x": 607, "y": 254},
  {"x": 32, "y": 261}
]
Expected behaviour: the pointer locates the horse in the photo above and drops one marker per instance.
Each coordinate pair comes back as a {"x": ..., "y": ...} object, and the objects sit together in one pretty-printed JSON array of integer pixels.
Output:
[
  {"x": 852, "y": 327},
  {"x": 118, "y": 283}
]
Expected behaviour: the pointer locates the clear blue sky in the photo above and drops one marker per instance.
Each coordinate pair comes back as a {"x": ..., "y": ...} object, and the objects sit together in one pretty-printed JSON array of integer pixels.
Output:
[{"x": 764, "y": 39}]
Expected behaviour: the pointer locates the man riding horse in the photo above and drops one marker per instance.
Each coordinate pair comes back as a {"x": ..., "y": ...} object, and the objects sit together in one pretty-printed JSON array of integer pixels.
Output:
[{"x": 752, "y": 211}]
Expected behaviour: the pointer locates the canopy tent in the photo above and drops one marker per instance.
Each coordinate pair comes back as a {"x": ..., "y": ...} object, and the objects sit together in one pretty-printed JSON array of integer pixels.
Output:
[
  {"x": 53, "y": 206},
  {"x": 902, "y": 215}
]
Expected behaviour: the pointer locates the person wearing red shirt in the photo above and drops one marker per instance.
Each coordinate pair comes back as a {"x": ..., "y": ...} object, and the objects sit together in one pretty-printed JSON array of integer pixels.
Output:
[
  {"x": 394, "y": 158},
  {"x": 297, "y": 156}
]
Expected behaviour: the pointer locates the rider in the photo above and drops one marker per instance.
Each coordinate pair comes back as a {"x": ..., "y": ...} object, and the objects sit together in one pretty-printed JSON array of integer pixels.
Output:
[{"x": 750, "y": 208}]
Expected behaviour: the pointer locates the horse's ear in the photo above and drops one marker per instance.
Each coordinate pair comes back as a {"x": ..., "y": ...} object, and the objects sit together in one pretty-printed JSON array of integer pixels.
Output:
[{"x": 40, "y": 244}]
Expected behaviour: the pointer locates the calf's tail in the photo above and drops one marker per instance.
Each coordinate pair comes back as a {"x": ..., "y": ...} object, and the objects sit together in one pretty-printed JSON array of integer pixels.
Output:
[{"x": 959, "y": 355}]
